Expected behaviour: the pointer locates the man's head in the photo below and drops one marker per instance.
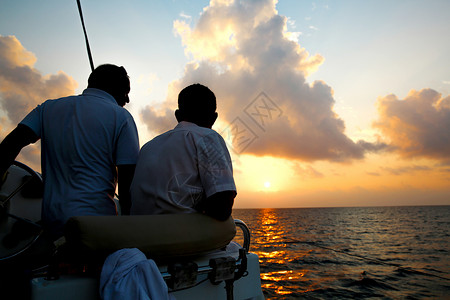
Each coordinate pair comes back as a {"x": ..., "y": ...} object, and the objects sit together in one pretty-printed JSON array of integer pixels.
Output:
[
  {"x": 197, "y": 104},
  {"x": 113, "y": 80}
]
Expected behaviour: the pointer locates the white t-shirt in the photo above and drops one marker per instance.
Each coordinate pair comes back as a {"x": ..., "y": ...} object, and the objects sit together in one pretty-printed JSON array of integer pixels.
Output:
[
  {"x": 83, "y": 139},
  {"x": 179, "y": 168}
]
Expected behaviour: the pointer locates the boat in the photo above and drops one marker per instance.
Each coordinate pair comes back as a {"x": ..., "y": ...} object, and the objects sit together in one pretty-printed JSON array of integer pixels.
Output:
[{"x": 197, "y": 259}]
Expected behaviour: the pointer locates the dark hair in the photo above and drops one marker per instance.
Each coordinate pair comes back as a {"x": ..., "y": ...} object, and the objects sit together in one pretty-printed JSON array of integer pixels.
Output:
[
  {"x": 197, "y": 100},
  {"x": 111, "y": 79}
]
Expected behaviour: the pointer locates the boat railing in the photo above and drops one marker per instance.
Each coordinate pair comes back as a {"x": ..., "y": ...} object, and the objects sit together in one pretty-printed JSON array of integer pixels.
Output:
[{"x": 245, "y": 232}]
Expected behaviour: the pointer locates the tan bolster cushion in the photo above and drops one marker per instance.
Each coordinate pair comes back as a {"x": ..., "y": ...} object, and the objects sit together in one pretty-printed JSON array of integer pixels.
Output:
[{"x": 158, "y": 236}]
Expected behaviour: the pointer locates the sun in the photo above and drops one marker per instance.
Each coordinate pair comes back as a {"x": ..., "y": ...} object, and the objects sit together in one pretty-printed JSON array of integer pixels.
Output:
[{"x": 267, "y": 184}]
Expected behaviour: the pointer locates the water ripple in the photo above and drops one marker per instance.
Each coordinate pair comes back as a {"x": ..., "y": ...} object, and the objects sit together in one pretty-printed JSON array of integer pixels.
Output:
[{"x": 352, "y": 253}]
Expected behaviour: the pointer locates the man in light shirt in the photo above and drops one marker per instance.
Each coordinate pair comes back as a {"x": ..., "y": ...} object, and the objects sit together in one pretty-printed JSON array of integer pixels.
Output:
[
  {"x": 89, "y": 144},
  {"x": 187, "y": 169}
]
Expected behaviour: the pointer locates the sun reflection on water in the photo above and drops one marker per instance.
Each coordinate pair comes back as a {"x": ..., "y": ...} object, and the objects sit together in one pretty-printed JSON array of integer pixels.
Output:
[
  {"x": 281, "y": 270},
  {"x": 324, "y": 253},
  {"x": 275, "y": 254}
]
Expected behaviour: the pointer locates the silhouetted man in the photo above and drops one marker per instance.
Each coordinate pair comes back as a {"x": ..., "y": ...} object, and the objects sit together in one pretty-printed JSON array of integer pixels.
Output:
[
  {"x": 187, "y": 169},
  {"x": 89, "y": 144}
]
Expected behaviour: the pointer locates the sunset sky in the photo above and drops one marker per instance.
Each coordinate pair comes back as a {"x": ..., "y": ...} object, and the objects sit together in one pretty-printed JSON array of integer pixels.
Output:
[{"x": 322, "y": 103}]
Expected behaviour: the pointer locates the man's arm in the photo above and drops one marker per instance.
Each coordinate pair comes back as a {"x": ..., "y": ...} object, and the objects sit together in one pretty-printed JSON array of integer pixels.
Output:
[
  {"x": 125, "y": 175},
  {"x": 219, "y": 205},
  {"x": 13, "y": 143}
]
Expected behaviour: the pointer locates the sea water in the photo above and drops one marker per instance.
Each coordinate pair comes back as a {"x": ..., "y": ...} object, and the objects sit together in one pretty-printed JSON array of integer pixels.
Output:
[{"x": 352, "y": 253}]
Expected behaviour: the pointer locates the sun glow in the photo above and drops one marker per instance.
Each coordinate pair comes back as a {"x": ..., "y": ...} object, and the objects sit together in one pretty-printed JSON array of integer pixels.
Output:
[{"x": 263, "y": 174}]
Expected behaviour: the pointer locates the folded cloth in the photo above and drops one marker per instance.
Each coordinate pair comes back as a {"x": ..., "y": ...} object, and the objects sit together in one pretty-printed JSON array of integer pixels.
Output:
[{"x": 128, "y": 274}]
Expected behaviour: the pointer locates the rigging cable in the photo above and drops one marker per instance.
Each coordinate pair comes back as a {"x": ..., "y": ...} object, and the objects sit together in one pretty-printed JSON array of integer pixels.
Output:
[{"x": 85, "y": 36}]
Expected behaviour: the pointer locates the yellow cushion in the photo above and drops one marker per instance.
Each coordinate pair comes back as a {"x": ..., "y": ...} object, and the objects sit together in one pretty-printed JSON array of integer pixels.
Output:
[{"x": 158, "y": 236}]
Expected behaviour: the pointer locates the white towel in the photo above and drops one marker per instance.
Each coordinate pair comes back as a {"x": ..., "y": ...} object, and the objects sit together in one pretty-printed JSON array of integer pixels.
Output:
[{"x": 128, "y": 274}]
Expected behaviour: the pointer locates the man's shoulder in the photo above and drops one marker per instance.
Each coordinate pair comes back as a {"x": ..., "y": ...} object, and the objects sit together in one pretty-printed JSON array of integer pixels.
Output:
[
  {"x": 193, "y": 133},
  {"x": 100, "y": 99},
  {"x": 56, "y": 102},
  {"x": 204, "y": 135},
  {"x": 208, "y": 133},
  {"x": 157, "y": 139},
  {"x": 196, "y": 130},
  {"x": 60, "y": 99}
]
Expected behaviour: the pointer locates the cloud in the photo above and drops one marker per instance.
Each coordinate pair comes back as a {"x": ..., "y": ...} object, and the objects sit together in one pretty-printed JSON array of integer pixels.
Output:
[
  {"x": 418, "y": 125},
  {"x": 242, "y": 50},
  {"x": 22, "y": 87},
  {"x": 185, "y": 16},
  {"x": 158, "y": 120},
  {"x": 306, "y": 172},
  {"x": 373, "y": 173},
  {"x": 406, "y": 170}
]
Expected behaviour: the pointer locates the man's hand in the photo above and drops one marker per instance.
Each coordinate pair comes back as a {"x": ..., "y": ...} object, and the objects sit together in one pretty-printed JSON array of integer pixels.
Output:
[
  {"x": 10, "y": 147},
  {"x": 219, "y": 206},
  {"x": 125, "y": 177}
]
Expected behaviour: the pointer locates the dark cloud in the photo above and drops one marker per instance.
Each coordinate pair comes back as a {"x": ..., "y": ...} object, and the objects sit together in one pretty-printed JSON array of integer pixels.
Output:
[
  {"x": 406, "y": 170},
  {"x": 418, "y": 125},
  {"x": 158, "y": 121}
]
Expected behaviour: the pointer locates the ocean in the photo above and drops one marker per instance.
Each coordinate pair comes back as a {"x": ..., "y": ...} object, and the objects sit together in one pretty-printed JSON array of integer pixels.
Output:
[{"x": 352, "y": 253}]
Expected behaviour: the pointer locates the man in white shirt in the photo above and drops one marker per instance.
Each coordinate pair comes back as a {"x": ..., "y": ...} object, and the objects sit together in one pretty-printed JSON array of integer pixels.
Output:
[{"x": 187, "y": 169}]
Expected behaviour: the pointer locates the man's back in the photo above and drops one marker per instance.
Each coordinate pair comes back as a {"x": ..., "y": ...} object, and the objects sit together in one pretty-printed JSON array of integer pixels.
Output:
[
  {"x": 83, "y": 139},
  {"x": 179, "y": 169}
]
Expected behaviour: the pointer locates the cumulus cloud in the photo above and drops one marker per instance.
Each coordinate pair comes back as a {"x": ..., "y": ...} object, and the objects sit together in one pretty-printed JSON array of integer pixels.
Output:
[
  {"x": 244, "y": 53},
  {"x": 158, "y": 120},
  {"x": 418, "y": 125},
  {"x": 22, "y": 87}
]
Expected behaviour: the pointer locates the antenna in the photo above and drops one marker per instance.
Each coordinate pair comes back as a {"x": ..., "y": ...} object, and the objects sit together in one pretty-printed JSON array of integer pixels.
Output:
[{"x": 85, "y": 36}]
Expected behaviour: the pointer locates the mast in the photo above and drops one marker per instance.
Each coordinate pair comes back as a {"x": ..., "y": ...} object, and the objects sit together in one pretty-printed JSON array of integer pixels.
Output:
[{"x": 85, "y": 36}]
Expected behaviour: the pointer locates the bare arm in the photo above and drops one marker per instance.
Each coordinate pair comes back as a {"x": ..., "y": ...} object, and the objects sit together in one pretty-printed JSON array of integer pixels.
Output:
[
  {"x": 13, "y": 143},
  {"x": 219, "y": 205},
  {"x": 125, "y": 177}
]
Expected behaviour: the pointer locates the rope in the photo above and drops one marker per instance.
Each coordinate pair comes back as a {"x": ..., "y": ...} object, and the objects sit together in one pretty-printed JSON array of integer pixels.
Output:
[
  {"x": 407, "y": 269},
  {"x": 85, "y": 36}
]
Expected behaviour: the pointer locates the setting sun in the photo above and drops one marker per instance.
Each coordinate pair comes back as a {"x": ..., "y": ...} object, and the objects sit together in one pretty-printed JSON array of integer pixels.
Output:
[{"x": 262, "y": 174}]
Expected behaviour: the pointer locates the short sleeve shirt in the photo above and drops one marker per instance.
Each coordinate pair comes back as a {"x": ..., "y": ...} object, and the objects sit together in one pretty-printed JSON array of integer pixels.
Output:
[
  {"x": 180, "y": 168},
  {"x": 83, "y": 139}
]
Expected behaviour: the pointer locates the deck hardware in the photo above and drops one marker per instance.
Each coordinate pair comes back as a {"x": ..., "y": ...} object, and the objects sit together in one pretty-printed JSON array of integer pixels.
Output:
[
  {"x": 222, "y": 269},
  {"x": 242, "y": 265},
  {"x": 183, "y": 274}
]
